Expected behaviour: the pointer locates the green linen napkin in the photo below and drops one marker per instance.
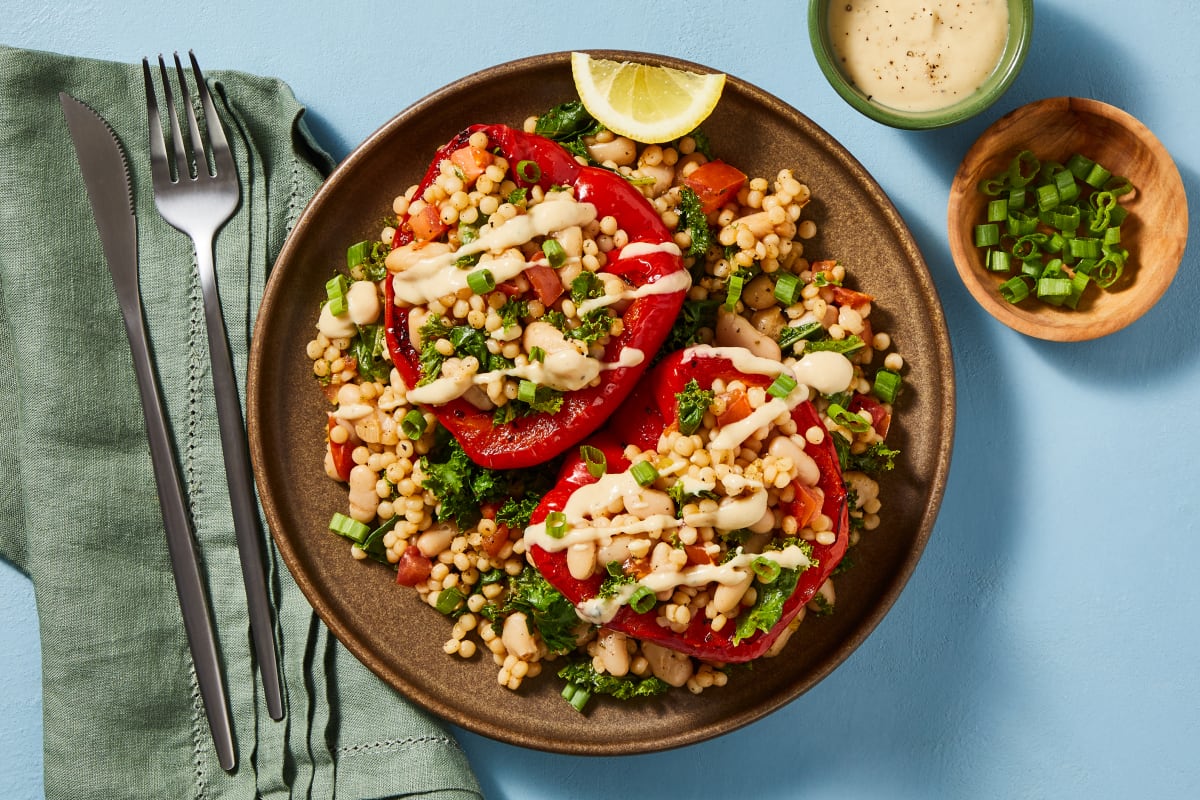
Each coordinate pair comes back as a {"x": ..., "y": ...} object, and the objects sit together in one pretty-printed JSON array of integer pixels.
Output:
[{"x": 78, "y": 510}]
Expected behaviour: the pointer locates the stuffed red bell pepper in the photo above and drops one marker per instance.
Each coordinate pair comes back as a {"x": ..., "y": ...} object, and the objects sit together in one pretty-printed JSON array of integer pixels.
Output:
[
  {"x": 523, "y": 324},
  {"x": 683, "y": 524}
]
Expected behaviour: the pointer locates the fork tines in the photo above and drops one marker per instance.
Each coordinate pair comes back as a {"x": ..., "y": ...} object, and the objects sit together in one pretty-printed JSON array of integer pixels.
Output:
[{"x": 188, "y": 151}]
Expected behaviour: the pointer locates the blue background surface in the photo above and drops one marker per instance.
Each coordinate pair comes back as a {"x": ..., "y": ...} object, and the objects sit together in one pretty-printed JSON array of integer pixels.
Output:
[{"x": 1047, "y": 644}]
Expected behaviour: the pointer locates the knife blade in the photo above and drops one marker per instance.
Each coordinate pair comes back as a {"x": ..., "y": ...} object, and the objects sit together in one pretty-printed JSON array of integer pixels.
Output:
[{"x": 110, "y": 194}]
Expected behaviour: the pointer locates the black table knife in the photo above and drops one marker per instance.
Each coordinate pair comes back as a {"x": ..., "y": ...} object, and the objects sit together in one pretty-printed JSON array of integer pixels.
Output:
[{"x": 106, "y": 177}]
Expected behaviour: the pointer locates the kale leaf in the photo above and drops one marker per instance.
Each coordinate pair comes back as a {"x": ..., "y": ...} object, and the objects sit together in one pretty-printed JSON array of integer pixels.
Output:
[
  {"x": 768, "y": 607},
  {"x": 692, "y": 405},
  {"x": 546, "y": 610},
  {"x": 694, "y": 222},
  {"x": 875, "y": 459},
  {"x": 462, "y": 486},
  {"x": 583, "y": 675}
]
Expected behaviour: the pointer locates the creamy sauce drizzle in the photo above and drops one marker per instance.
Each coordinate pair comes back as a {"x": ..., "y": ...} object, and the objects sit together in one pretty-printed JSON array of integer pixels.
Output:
[
  {"x": 918, "y": 55},
  {"x": 564, "y": 370},
  {"x": 678, "y": 281},
  {"x": 438, "y": 275}
]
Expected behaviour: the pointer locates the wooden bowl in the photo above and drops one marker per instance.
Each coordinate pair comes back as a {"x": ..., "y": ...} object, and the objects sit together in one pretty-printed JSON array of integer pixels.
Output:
[{"x": 1155, "y": 232}]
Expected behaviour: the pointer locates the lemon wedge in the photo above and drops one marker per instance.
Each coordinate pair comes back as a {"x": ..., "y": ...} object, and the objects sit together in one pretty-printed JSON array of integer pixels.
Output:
[{"x": 648, "y": 104}]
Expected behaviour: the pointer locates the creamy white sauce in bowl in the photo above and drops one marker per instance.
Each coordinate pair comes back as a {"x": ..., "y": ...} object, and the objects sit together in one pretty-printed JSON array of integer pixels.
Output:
[
  {"x": 918, "y": 55},
  {"x": 920, "y": 63}
]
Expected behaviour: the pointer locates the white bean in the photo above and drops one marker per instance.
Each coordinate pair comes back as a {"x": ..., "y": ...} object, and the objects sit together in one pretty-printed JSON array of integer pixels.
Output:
[
  {"x": 664, "y": 177},
  {"x": 516, "y": 637},
  {"x": 807, "y": 471},
  {"x": 667, "y": 665},
  {"x": 362, "y": 300},
  {"x": 734, "y": 330},
  {"x": 649, "y": 503},
  {"x": 759, "y": 292},
  {"x": 581, "y": 560},
  {"x": 728, "y": 595},
  {"x": 435, "y": 540},
  {"x": 613, "y": 652},
  {"x": 621, "y": 151},
  {"x": 364, "y": 502}
]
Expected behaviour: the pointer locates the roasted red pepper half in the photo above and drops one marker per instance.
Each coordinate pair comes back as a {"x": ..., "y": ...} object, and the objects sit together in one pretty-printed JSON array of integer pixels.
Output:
[
  {"x": 648, "y": 412},
  {"x": 533, "y": 439}
]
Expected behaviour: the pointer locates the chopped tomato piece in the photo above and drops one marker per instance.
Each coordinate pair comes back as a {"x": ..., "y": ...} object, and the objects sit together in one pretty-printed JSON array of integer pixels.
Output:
[
  {"x": 427, "y": 225},
  {"x": 471, "y": 162},
  {"x": 881, "y": 418},
  {"x": 545, "y": 282},
  {"x": 737, "y": 407},
  {"x": 714, "y": 183},
  {"x": 492, "y": 543},
  {"x": 849, "y": 297},
  {"x": 414, "y": 567},
  {"x": 697, "y": 554},
  {"x": 806, "y": 505},
  {"x": 342, "y": 452}
]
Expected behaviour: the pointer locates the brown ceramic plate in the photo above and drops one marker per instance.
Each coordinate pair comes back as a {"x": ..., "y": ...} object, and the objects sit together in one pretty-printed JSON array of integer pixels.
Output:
[
  {"x": 1155, "y": 233},
  {"x": 398, "y": 637}
]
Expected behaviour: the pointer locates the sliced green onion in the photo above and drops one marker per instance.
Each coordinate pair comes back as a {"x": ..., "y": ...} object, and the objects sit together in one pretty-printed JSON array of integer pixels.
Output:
[
  {"x": 1085, "y": 247},
  {"x": 997, "y": 210},
  {"x": 481, "y": 281},
  {"x": 1015, "y": 289},
  {"x": 887, "y": 385},
  {"x": 576, "y": 695},
  {"x": 787, "y": 288},
  {"x": 351, "y": 528},
  {"x": 1079, "y": 166},
  {"x": 642, "y": 599},
  {"x": 1068, "y": 190},
  {"x": 734, "y": 292},
  {"x": 999, "y": 260},
  {"x": 1016, "y": 199},
  {"x": 529, "y": 171},
  {"x": 1023, "y": 168},
  {"x": 335, "y": 289},
  {"x": 1053, "y": 287},
  {"x": 556, "y": 524},
  {"x": 987, "y": 235},
  {"x": 1047, "y": 196},
  {"x": 782, "y": 386},
  {"x": 1109, "y": 269},
  {"x": 555, "y": 253},
  {"x": 449, "y": 600},
  {"x": 644, "y": 473},
  {"x": 357, "y": 253},
  {"x": 1097, "y": 176},
  {"x": 847, "y": 419},
  {"x": 1019, "y": 223},
  {"x": 597, "y": 464},
  {"x": 1078, "y": 283},
  {"x": 537, "y": 354},
  {"x": 413, "y": 425},
  {"x": 527, "y": 391},
  {"x": 766, "y": 569}
]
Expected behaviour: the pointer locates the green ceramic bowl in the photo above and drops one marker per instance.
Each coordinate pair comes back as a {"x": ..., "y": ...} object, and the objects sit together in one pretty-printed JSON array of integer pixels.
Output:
[{"x": 1020, "y": 31}]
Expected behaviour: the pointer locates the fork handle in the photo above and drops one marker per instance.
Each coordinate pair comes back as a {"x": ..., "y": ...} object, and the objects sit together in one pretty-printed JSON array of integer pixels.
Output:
[
  {"x": 240, "y": 479},
  {"x": 181, "y": 543}
]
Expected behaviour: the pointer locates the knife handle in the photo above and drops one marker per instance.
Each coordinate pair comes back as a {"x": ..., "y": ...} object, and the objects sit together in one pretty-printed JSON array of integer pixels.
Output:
[
  {"x": 240, "y": 479},
  {"x": 181, "y": 543}
]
